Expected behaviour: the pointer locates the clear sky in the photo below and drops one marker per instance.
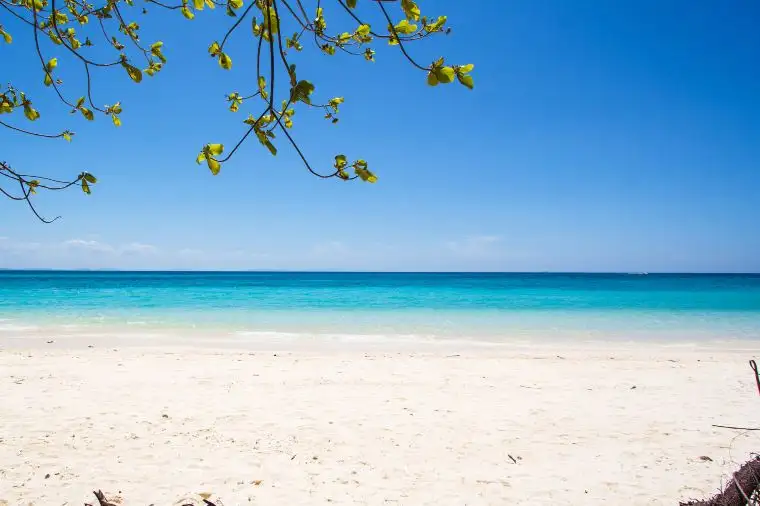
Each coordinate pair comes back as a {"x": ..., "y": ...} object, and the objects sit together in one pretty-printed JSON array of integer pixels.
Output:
[{"x": 601, "y": 136}]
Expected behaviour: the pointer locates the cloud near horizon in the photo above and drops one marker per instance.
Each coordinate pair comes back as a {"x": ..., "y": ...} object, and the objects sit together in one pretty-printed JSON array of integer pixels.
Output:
[
  {"x": 96, "y": 246},
  {"x": 335, "y": 254}
]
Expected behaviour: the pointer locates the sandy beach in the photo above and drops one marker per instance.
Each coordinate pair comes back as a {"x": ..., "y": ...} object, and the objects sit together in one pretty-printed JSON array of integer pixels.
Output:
[{"x": 497, "y": 425}]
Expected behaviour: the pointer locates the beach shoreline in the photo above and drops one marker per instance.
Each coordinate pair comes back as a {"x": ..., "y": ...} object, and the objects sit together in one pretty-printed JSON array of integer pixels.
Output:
[{"x": 551, "y": 423}]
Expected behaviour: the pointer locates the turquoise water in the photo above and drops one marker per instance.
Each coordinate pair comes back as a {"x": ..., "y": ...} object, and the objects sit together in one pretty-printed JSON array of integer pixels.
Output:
[{"x": 492, "y": 307}]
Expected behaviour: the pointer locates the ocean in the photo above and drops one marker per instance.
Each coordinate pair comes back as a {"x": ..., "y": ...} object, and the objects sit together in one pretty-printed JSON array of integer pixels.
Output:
[{"x": 383, "y": 306}]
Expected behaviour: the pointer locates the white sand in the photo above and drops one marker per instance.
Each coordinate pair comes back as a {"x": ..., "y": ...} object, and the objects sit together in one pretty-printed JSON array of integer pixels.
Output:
[{"x": 372, "y": 428}]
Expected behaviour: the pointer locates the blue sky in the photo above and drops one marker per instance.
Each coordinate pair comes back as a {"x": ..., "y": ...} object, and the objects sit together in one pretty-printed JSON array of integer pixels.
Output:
[{"x": 601, "y": 136}]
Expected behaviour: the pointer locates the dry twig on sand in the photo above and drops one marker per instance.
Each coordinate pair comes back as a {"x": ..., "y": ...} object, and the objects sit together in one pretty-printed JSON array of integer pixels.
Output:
[
  {"x": 103, "y": 501},
  {"x": 736, "y": 428},
  {"x": 742, "y": 490}
]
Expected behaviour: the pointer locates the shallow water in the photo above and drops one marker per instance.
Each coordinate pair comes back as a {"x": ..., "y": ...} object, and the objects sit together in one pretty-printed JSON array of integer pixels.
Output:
[{"x": 384, "y": 306}]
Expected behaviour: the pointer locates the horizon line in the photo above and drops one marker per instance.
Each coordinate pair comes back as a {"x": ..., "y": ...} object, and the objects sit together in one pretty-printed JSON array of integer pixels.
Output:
[{"x": 301, "y": 271}]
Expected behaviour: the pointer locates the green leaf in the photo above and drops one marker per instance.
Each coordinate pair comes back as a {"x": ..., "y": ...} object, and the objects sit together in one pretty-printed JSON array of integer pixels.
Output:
[
  {"x": 367, "y": 176},
  {"x": 405, "y": 27},
  {"x": 90, "y": 178},
  {"x": 319, "y": 23},
  {"x": 6, "y": 36},
  {"x": 216, "y": 149},
  {"x": 340, "y": 161},
  {"x": 432, "y": 80},
  {"x": 187, "y": 12},
  {"x": 466, "y": 69},
  {"x": 201, "y": 156},
  {"x": 87, "y": 113},
  {"x": 363, "y": 30},
  {"x": 444, "y": 75},
  {"x": 60, "y": 18},
  {"x": 335, "y": 102},
  {"x": 213, "y": 165},
  {"x": 302, "y": 91},
  {"x": 272, "y": 24},
  {"x": 214, "y": 49},
  {"x": 198, "y": 4},
  {"x": 293, "y": 42},
  {"x": 155, "y": 49},
  {"x": 225, "y": 61},
  {"x": 30, "y": 112},
  {"x": 49, "y": 66},
  {"x": 85, "y": 186},
  {"x": 411, "y": 10},
  {"x": 79, "y": 103},
  {"x": 134, "y": 73},
  {"x": 360, "y": 167},
  {"x": 351, "y": 4},
  {"x": 264, "y": 140},
  {"x": 262, "y": 82},
  {"x": 116, "y": 120},
  {"x": 235, "y": 4},
  {"x": 344, "y": 38},
  {"x": 437, "y": 26},
  {"x": 466, "y": 80},
  {"x": 67, "y": 135}
]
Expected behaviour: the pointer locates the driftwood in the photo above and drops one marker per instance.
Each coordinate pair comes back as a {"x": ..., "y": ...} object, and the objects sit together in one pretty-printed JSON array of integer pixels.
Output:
[
  {"x": 742, "y": 490},
  {"x": 102, "y": 501}
]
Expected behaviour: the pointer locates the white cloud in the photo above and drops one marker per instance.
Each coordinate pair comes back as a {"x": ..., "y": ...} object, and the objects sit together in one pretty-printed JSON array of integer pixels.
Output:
[
  {"x": 478, "y": 252},
  {"x": 88, "y": 245},
  {"x": 75, "y": 253},
  {"x": 134, "y": 248}
]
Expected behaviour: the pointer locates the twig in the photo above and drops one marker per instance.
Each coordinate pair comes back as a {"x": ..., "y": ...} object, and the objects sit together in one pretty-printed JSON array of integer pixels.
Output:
[
  {"x": 735, "y": 493},
  {"x": 100, "y": 496},
  {"x": 736, "y": 428}
]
